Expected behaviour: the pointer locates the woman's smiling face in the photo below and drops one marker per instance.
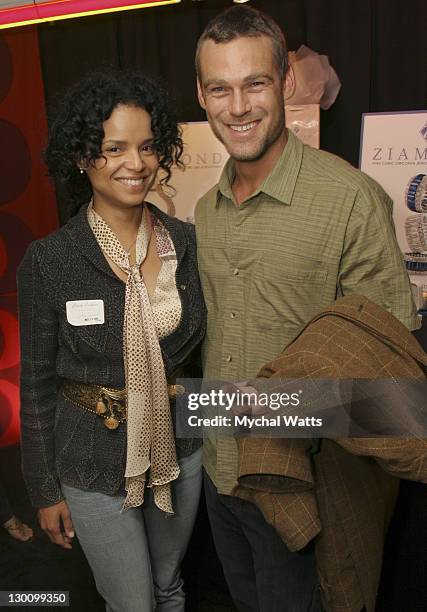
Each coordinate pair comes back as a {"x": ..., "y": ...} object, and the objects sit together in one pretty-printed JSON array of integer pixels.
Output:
[{"x": 125, "y": 171}]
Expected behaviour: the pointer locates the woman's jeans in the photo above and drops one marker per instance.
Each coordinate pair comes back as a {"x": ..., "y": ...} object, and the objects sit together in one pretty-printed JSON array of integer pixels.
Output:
[{"x": 136, "y": 555}]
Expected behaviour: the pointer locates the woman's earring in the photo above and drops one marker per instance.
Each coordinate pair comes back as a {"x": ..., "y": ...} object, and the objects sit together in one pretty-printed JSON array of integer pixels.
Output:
[{"x": 81, "y": 171}]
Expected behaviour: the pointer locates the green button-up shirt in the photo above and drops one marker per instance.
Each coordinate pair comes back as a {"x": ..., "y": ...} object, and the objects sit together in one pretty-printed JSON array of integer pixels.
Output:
[{"x": 315, "y": 229}]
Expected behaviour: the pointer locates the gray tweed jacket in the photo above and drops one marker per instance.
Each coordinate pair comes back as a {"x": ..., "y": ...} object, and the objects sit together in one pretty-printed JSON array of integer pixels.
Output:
[{"x": 60, "y": 441}]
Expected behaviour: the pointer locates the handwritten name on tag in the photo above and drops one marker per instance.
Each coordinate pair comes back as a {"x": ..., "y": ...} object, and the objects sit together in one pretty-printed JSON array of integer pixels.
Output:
[{"x": 85, "y": 312}]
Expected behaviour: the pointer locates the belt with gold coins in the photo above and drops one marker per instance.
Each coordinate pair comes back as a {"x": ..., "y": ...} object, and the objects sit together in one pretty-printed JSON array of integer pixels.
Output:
[{"x": 110, "y": 404}]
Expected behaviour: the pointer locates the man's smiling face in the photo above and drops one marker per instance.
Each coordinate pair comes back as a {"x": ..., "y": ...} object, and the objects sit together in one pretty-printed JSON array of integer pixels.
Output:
[{"x": 241, "y": 89}]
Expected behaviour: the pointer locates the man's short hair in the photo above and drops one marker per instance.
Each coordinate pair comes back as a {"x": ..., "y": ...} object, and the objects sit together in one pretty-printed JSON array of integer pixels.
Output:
[{"x": 244, "y": 21}]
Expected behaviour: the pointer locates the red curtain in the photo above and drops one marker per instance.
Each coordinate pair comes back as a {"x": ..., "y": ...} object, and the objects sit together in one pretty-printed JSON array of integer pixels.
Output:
[{"x": 27, "y": 198}]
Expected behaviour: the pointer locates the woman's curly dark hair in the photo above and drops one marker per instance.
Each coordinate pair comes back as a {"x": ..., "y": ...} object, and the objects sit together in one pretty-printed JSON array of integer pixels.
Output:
[{"x": 76, "y": 134}]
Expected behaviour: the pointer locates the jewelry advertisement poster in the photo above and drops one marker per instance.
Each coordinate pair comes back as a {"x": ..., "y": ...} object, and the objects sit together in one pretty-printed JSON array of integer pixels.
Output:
[
  {"x": 204, "y": 157},
  {"x": 393, "y": 151}
]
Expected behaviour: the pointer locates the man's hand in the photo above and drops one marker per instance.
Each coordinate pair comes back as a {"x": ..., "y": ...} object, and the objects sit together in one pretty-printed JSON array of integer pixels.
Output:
[{"x": 56, "y": 522}]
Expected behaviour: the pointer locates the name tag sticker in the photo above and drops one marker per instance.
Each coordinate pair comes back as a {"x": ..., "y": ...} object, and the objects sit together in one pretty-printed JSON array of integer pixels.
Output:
[{"x": 85, "y": 312}]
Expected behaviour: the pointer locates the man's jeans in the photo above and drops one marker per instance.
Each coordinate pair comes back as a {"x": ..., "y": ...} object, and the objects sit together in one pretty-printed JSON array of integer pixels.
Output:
[
  {"x": 262, "y": 574},
  {"x": 131, "y": 551}
]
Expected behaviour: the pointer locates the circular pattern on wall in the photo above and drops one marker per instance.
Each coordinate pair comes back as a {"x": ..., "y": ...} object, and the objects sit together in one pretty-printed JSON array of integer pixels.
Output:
[
  {"x": 9, "y": 340},
  {"x": 15, "y": 236},
  {"x": 9, "y": 420},
  {"x": 5, "y": 413},
  {"x": 5, "y": 68},
  {"x": 15, "y": 162}
]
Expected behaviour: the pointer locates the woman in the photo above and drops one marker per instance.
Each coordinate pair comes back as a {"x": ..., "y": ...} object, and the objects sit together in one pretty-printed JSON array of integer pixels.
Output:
[{"x": 111, "y": 311}]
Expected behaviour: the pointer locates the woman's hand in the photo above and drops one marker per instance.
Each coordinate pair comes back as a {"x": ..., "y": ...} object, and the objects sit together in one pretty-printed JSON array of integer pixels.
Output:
[
  {"x": 56, "y": 522},
  {"x": 17, "y": 529}
]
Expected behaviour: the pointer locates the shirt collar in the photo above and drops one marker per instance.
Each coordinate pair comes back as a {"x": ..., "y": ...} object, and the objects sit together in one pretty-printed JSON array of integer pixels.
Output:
[
  {"x": 225, "y": 181},
  {"x": 279, "y": 184}
]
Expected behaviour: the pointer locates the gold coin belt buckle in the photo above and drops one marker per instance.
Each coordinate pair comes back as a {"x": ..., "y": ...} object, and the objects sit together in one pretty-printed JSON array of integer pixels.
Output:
[{"x": 111, "y": 407}]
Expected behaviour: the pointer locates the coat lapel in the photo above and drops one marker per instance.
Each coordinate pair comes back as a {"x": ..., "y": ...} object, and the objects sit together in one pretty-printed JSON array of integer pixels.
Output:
[
  {"x": 381, "y": 323},
  {"x": 81, "y": 234}
]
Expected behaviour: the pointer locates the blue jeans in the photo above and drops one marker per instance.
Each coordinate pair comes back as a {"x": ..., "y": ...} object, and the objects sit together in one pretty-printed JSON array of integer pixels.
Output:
[
  {"x": 261, "y": 573},
  {"x": 136, "y": 555}
]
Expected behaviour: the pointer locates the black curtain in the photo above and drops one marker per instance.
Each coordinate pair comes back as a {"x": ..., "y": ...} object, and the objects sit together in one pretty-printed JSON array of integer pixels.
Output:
[{"x": 378, "y": 48}]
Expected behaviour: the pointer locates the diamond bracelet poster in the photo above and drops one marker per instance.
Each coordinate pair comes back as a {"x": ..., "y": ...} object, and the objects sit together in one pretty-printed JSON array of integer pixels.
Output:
[{"x": 393, "y": 151}]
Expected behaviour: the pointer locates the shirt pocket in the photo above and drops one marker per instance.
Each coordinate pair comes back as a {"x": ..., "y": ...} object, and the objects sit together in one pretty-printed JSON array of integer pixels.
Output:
[
  {"x": 84, "y": 340},
  {"x": 285, "y": 292}
]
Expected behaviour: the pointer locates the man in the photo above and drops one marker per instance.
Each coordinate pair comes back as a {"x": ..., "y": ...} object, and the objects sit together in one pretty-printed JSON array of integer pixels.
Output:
[{"x": 285, "y": 231}]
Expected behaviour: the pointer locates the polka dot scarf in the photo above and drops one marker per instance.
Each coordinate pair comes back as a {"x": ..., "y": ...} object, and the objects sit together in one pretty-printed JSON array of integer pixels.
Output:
[{"x": 151, "y": 456}]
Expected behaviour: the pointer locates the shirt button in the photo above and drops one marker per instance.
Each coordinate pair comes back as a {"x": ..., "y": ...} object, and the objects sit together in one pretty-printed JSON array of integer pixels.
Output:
[
  {"x": 229, "y": 358},
  {"x": 232, "y": 315},
  {"x": 236, "y": 271}
]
